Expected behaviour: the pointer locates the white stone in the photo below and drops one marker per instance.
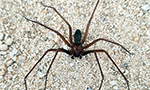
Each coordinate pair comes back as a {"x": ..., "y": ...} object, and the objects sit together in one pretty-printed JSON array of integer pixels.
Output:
[
  {"x": 65, "y": 47},
  {"x": 1, "y": 77},
  {"x": 9, "y": 41},
  {"x": 148, "y": 32},
  {"x": 3, "y": 47},
  {"x": 21, "y": 59},
  {"x": 62, "y": 88},
  {"x": 3, "y": 52},
  {"x": 1, "y": 36},
  {"x": 146, "y": 7},
  {"x": 0, "y": 42},
  {"x": 113, "y": 82},
  {"x": 14, "y": 51},
  {"x": 40, "y": 74},
  {"x": 115, "y": 88}
]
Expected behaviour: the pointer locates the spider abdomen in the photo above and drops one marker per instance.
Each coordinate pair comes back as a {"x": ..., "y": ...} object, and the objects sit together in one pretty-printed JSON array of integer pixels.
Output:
[{"x": 77, "y": 36}]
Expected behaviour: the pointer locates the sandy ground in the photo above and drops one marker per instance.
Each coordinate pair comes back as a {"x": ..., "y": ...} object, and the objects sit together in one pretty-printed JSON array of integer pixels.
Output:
[{"x": 22, "y": 43}]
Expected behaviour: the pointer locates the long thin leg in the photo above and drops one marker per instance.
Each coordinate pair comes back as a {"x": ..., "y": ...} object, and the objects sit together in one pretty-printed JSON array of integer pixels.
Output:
[
  {"x": 87, "y": 27},
  {"x": 50, "y": 67},
  {"x": 62, "y": 50},
  {"x": 70, "y": 29},
  {"x": 100, "y": 70},
  {"x": 92, "y": 51},
  {"x": 66, "y": 42},
  {"x": 90, "y": 44}
]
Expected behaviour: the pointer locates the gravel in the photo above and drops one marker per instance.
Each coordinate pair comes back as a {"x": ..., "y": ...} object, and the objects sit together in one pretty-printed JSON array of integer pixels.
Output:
[
  {"x": 22, "y": 43},
  {"x": 1, "y": 36},
  {"x": 146, "y": 7},
  {"x": 3, "y": 47}
]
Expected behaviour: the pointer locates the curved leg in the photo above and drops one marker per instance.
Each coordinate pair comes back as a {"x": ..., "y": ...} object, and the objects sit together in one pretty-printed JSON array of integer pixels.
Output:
[
  {"x": 60, "y": 50},
  {"x": 66, "y": 42},
  {"x": 87, "y": 27},
  {"x": 90, "y": 44},
  {"x": 100, "y": 70},
  {"x": 70, "y": 29},
  {"x": 93, "y": 51}
]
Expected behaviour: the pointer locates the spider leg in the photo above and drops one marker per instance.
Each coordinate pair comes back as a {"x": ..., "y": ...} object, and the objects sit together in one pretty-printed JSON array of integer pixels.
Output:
[
  {"x": 88, "y": 24},
  {"x": 101, "y": 50},
  {"x": 66, "y": 42},
  {"x": 70, "y": 29},
  {"x": 62, "y": 50},
  {"x": 58, "y": 50},
  {"x": 90, "y": 44},
  {"x": 36, "y": 65},
  {"x": 100, "y": 70}
]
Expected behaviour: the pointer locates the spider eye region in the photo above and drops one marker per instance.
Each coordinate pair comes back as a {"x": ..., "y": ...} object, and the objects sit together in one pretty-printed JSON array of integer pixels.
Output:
[{"x": 77, "y": 36}]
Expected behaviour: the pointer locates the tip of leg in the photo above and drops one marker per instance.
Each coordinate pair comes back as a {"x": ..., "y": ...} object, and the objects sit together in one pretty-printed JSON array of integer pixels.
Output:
[{"x": 46, "y": 5}]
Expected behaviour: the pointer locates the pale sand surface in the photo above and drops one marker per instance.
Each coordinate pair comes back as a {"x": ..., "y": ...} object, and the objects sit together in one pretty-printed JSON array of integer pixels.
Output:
[{"x": 23, "y": 43}]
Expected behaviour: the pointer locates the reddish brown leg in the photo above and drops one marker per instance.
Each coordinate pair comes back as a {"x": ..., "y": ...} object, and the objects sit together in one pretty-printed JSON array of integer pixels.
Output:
[
  {"x": 90, "y": 44},
  {"x": 66, "y": 42},
  {"x": 70, "y": 29},
  {"x": 50, "y": 66},
  {"x": 87, "y": 27},
  {"x": 100, "y": 70},
  {"x": 93, "y": 51},
  {"x": 57, "y": 50}
]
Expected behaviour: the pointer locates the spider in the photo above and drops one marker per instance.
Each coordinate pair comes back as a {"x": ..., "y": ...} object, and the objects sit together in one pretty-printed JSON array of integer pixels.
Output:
[{"x": 77, "y": 48}]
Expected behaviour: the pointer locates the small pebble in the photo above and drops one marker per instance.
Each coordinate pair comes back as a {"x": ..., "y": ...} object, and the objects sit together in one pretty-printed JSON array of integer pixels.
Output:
[
  {"x": 65, "y": 47},
  {"x": 63, "y": 89},
  {"x": 0, "y": 42},
  {"x": 40, "y": 74},
  {"x": 148, "y": 32},
  {"x": 3, "y": 53},
  {"x": 2, "y": 70},
  {"x": 14, "y": 58},
  {"x": 115, "y": 88},
  {"x": 1, "y": 77},
  {"x": 13, "y": 52},
  {"x": 113, "y": 82},
  {"x": 3, "y": 67},
  {"x": 136, "y": 38},
  {"x": 3, "y": 47},
  {"x": 144, "y": 27},
  {"x": 136, "y": 12},
  {"x": 146, "y": 7},
  {"x": 10, "y": 76},
  {"x": 9, "y": 62},
  {"x": 125, "y": 65},
  {"x": 9, "y": 41},
  {"x": 1, "y": 36},
  {"x": 21, "y": 59}
]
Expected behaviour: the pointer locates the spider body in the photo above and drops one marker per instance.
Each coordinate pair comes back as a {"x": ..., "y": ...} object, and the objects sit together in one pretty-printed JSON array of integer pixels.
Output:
[
  {"x": 77, "y": 47},
  {"x": 77, "y": 50}
]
